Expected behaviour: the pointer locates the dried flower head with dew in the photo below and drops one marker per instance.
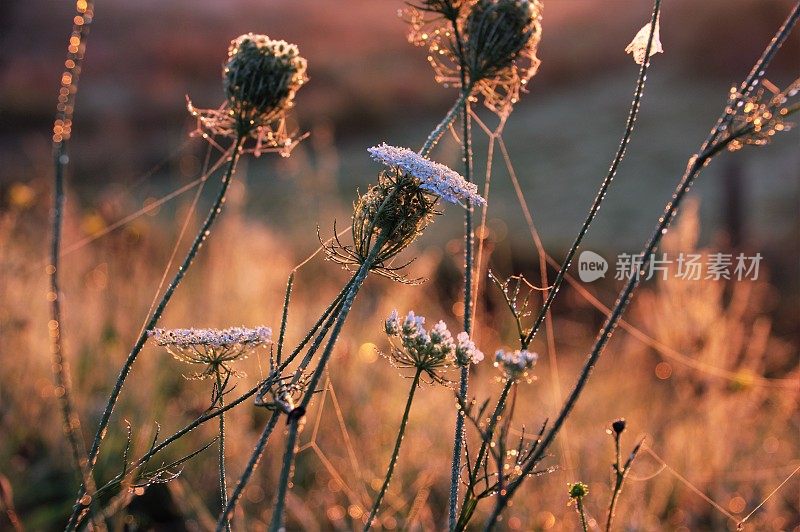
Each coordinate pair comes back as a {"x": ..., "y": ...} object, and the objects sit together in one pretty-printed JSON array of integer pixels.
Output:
[
  {"x": 515, "y": 364},
  {"x": 213, "y": 348},
  {"x": 398, "y": 208},
  {"x": 261, "y": 78},
  {"x": 432, "y": 352},
  {"x": 495, "y": 40}
]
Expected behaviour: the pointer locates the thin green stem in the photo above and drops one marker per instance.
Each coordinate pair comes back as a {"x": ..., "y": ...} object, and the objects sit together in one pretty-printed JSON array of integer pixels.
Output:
[
  {"x": 620, "y": 473},
  {"x": 468, "y": 505},
  {"x": 609, "y": 177},
  {"x": 709, "y": 149},
  {"x": 442, "y": 126},
  {"x": 223, "y": 485},
  {"x": 469, "y": 245},
  {"x": 297, "y": 414},
  {"x": 201, "y": 237},
  {"x": 285, "y": 316},
  {"x": 619, "y": 477},
  {"x": 395, "y": 453},
  {"x": 582, "y": 514},
  {"x": 255, "y": 458},
  {"x": 323, "y": 325},
  {"x": 60, "y": 367}
]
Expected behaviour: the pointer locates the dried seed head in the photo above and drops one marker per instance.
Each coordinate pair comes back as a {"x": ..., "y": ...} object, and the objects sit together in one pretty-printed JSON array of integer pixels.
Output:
[
  {"x": 500, "y": 41},
  {"x": 261, "y": 77},
  {"x": 496, "y": 33}
]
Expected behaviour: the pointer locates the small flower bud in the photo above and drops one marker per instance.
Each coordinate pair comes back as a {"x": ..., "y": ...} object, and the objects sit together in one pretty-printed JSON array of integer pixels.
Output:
[
  {"x": 578, "y": 490},
  {"x": 618, "y": 425}
]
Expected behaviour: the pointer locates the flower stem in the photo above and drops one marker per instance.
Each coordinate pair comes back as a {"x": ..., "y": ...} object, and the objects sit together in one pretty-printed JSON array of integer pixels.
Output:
[
  {"x": 601, "y": 193},
  {"x": 440, "y": 128},
  {"x": 61, "y": 373},
  {"x": 294, "y": 418},
  {"x": 710, "y": 147},
  {"x": 201, "y": 237},
  {"x": 582, "y": 514},
  {"x": 223, "y": 486},
  {"x": 620, "y": 473},
  {"x": 327, "y": 317},
  {"x": 469, "y": 244},
  {"x": 255, "y": 458},
  {"x": 395, "y": 453},
  {"x": 468, "y": 505}
]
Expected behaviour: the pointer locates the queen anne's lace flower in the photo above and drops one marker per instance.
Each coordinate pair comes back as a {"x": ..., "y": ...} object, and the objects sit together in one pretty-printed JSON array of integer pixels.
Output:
[
  {"x": 430, "y": 351},
  {"x": 638, "y": 46},
  {"x": 214, "y": 348},
  {"x": 466, "y": 351},
  {"x": 434, "y": 177},
  {"x": 515, "y": 363}
]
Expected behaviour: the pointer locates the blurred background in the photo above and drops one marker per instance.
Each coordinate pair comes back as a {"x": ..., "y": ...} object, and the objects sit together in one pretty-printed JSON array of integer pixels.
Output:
[{"x": 710, "y": 369}]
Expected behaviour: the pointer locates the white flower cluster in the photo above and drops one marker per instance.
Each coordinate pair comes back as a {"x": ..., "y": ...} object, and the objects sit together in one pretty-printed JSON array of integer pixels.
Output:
[
  {"x": 435, "y": 348},
  {"x": 434, "y": 177},
  {"x": 233, "y": 336},
  {"x": 515, "y": 363},
  {"x": 213, "y": 348}
]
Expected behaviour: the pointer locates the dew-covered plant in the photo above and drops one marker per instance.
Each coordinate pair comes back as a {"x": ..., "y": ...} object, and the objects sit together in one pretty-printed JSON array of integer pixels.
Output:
[{"x": 487, "y": 50}]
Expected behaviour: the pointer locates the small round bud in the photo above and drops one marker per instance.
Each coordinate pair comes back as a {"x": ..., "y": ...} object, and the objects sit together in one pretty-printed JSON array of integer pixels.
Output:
[
  {"x": 578, "y": 490},
  {"x": 618, "y": 425}
]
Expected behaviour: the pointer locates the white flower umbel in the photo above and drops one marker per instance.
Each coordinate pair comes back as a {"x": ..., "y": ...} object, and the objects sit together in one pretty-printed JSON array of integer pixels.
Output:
[
  {"x": 638, "y": 46},
  {"x": 515, "y": 363},
  {"x": 214, "y": 348},
  {"x": 466, "y": 351},
  {"x": 429, "y": 351},
  {"x": 433, "y": 177}
]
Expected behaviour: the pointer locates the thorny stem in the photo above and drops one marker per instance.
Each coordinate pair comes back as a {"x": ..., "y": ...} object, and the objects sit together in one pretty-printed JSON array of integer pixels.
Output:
[
  {"x": 710, "y": 148},
  {"x": 395, "y": 453},
  {"x": 202, "y": 235},
  {"x": 295, "y": 417},
  {"x": 223, "y": 486},
  {"x": 601, "y": 193}
]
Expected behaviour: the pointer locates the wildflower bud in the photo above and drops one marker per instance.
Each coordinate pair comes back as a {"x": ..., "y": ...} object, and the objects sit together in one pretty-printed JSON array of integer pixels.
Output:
[
  {"x": 392, "y": 324},
  {"x": 261, "y": 78},
  {"x": 497, "y": 31},
  {"x": 466, "y": 351},
  {"x": 578, "y": 490},
  {"x": 515, "y": 363},
  {"x": 618, "y": 425}
]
